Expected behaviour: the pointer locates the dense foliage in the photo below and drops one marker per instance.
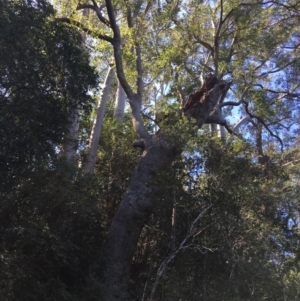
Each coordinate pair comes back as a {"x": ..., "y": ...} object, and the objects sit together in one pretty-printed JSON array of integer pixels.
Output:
[{"x": 44, "y": 73}]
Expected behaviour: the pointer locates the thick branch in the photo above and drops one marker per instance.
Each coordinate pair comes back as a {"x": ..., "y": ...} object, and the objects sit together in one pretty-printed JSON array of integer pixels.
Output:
[
  {"x": 230, "y": 103},
  {"x": 139, "y": 68},
  {"x": 87, "y": 30},
  {"x": 135, "y": 100}
]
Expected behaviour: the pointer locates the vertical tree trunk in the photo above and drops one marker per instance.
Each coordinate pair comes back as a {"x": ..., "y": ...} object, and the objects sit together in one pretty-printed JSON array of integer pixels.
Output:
[
  {"x": 173, "y": 234},
  {"x": 131, "y": 217},
  {"x": 91, "y": 157},
  {"x": 120, "y": 103},
  {"x": 70, "y": 143},
  {"x": 221, "y": 132}
]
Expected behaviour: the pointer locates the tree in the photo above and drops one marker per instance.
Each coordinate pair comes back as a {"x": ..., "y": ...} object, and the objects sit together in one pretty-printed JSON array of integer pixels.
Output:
[
  {"x": 222, "y": 43},
  {"x": 43, "y": 70},
  {"x": 44, "y": 76},
  {"x": 91, "y": 157}
]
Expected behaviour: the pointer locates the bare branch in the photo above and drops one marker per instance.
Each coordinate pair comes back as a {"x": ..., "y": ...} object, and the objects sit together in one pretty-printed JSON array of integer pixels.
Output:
[
  {"x": 278, "y": 69},
  {"x": 137, "y": 8},
  {"x": 240, "y": 123},
  {"x": 162, "y": 268},
  {"x": 179, "y": 91},
  {"x": 207, "y": 67},
  {"x": 95, "y": 3},
  {"x": 291, "y": 163},
  {"x": 287, "y": 93}
]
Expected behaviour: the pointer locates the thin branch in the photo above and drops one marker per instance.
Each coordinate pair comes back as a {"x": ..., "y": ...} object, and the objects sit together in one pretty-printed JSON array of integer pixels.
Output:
[
  {"x": 96, "y": 9},
  {"x": 205, "y": 44},
  {"x": 179, "y": 91},
  {"x": 263, "y": 123},
  {"x": 86, "y": 29},
  {"x": 288, "y": 93},
  {"x": 291, "y": 163},
  {"x": 148, "y": 117},
  {"x": 278, "y": 69},
  {"x": 162, "y": 268},
  {"x": 207, "y": 67}
]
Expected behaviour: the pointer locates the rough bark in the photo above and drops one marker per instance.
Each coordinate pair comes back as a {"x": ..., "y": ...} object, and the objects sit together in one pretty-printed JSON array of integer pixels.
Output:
[
  {"x": 120, "y": 103},
  {"x": 132, "y": 215},
  {"x": 92, "y": 155}
]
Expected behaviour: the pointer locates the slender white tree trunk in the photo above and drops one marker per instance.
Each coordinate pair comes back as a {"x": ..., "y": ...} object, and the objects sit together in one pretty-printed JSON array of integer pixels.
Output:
[
  {"x": 91, "y": 157},
  {"x": 70, "y": 143},
  {"x": 221, "y": 129},
  {"x": 221, "y": 132},
  {"x": 213, "y": 128},
  {"x": 120, "y": 103}
]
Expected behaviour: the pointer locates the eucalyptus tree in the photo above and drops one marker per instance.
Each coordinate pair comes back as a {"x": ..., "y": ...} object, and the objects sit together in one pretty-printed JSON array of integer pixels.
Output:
[
  {"x": 237, "y": 52},
  {"x": 91, "y": 156},
  {"x": 42, "y": 71}
]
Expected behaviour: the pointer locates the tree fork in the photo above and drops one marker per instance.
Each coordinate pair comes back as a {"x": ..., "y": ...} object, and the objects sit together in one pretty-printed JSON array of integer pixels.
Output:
[{"x": 136, "y": 205}]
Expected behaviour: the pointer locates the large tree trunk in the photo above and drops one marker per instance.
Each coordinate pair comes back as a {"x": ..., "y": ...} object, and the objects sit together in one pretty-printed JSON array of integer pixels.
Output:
[
  {"x": 132, "y": 215},
  {"x": 92, "y": 154},
  {"x": 136, "y": 205}
]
